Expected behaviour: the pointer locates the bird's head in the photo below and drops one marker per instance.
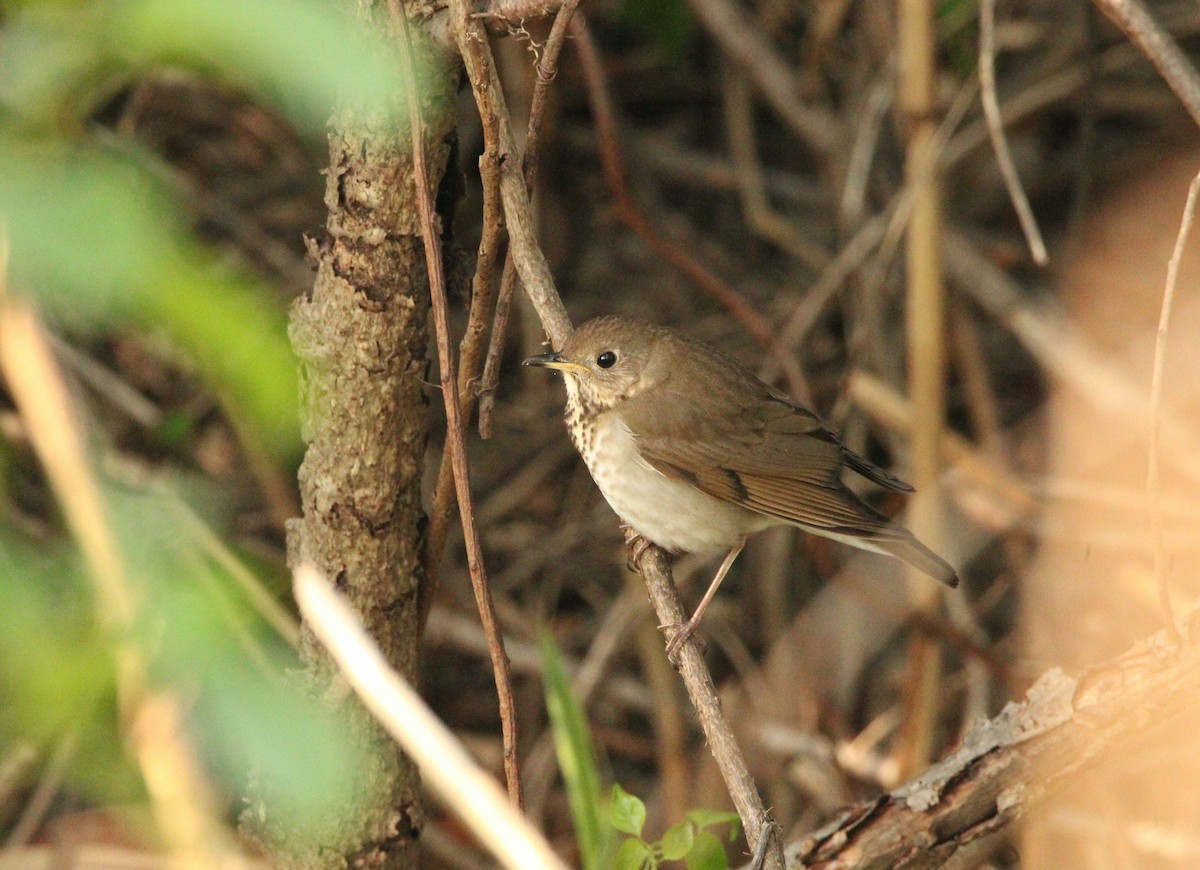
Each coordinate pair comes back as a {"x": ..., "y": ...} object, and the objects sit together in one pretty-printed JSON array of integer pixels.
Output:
[{"x": 609, "y": 359}]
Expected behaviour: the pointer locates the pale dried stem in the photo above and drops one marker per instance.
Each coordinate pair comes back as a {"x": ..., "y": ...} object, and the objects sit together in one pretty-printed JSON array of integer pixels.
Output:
[
  {"x": 444, "y": 763},
  {"x": 926, "y": 354}
]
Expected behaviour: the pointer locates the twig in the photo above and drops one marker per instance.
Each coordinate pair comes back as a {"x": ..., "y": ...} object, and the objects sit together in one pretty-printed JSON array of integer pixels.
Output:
[
  {"x": 1153, "y": 481},
  {"x": 604, "y": 113},
  {"x": 991, "y": 111},
  {"x": 469, "y": 349},
  {"x": 528, "y": 258},
  {"x": 466, "y": 789},
  {"x": 547, "y": 70},
  {"x": 454, "y": 424},
  {"x": 1172, "y": 64},
  {"x": 656, "y": 571},
  {"x": 744, "y": 42}
]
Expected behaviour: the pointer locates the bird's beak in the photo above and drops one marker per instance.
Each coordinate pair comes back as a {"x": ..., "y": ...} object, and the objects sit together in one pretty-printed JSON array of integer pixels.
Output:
[{"x": 554, "y": 361}]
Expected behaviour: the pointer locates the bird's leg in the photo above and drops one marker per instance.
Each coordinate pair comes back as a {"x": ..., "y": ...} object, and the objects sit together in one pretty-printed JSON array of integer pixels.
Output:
[
  {"x": 635, "y": 547},
  {"x": 683, "y": 631}
]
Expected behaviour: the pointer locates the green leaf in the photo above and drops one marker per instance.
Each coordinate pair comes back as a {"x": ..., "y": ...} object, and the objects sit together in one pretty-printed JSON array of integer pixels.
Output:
[
  {"x": 634, "y": 855},
  {"x": 677, "y": 841},
  {"x": 576, "y": 759},
  {"x": 627, "y": 812},
  {"x": 707, "y": 854},
  {"x": 308, "y": 54},
  {"x": 703, "y": 818}
]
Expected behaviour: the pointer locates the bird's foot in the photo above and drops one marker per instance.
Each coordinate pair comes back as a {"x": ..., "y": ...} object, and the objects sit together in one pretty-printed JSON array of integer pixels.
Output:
[
  {"x": 677, "y": 635},
  {"x": 635, "y": 547}
]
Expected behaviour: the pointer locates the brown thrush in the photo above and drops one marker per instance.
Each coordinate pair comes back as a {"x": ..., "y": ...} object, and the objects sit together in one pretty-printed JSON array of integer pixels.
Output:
[{"x": 694, "y": 452}]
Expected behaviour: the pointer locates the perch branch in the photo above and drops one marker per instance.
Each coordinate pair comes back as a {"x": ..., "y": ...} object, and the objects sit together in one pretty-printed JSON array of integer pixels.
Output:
[{"x": 656, "y": 571}]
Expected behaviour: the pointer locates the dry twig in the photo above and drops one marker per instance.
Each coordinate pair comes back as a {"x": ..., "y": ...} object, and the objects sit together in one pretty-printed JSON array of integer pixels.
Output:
[
  {"x": 991, "y": 111},
  {"x": 547, "y": 70},
  {"x": 656, "y": 571},
  {"x": 1139, "y": 25},
  {"x": 917, "y": 48}
]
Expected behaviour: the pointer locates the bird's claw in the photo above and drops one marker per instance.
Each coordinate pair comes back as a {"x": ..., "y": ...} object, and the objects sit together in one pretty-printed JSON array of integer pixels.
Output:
[
  {"x": 677, "y": 635},
  {"x": 635, "y": 547}
]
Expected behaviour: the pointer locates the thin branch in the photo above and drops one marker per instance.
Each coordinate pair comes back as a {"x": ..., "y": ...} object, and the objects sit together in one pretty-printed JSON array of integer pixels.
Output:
[
  {"x": 465, "y": 789},
  {"x": 547, "y": 70},
  {"x": 656, "y": 571},
  {"x": 470, "y": 349},
  {"x": 1153, "y": 481},
  {"x": 1172, "y": 64},
  {"x": 528, "y": 258},
  {"x": 454, "y": 424},
  {"x": 991, "y": 111},
  {"x": 604, "y": 113}
]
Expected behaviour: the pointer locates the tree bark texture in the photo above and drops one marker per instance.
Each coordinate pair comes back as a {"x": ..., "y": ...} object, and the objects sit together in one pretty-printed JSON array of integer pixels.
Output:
[{"x": 361, "y": 337}]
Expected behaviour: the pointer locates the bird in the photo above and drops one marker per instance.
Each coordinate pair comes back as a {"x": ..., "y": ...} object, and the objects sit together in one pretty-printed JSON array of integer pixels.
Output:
[{"x": 694, "y": 452}]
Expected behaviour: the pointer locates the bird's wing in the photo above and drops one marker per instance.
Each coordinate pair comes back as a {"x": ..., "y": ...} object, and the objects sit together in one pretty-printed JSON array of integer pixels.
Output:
[
  {"x": 768, "y": 455},
  {"x": 781, "y": 462}
]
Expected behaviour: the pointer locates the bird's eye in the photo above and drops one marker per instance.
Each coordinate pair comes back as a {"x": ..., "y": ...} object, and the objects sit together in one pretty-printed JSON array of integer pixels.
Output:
[{"x": 606, "y": 360}]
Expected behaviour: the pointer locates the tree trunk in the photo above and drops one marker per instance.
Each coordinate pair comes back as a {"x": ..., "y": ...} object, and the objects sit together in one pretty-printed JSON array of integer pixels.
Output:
[{"x": 361, "y": 337}]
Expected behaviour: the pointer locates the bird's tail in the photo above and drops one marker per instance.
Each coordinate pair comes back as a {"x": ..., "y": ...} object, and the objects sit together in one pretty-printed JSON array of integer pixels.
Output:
[{"x": 904, "y": 546}]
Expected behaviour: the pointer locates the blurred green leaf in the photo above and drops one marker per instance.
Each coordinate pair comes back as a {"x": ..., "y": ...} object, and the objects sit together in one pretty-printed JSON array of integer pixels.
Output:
[
  {"x": 576, "y": 758},
  {"x": 95, "y": 239},
  {"x": 634, "y": 855},
  {"x": 668, "y": 23},
  {"x": 307, "y": 54},
  {"x": 703, "y": 818},
  {"x": 678, "y": 840},
  {"x": 247, "y": 720},
  {"x": 627, "y": 812},
  {"x": 707, "y": 854}
]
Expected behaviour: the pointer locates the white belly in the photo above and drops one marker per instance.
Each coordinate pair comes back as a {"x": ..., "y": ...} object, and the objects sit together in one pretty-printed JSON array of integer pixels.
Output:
[{"x": 672, "y": 514}]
